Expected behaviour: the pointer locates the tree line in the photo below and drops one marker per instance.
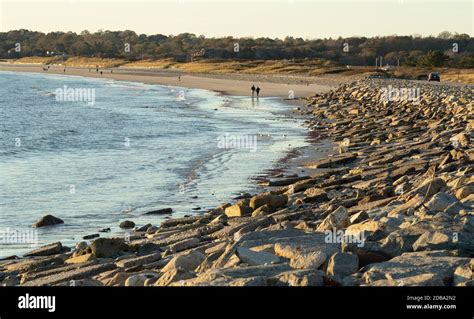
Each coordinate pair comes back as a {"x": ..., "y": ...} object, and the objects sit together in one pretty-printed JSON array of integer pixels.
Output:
[{"x": 446, "y": 49}]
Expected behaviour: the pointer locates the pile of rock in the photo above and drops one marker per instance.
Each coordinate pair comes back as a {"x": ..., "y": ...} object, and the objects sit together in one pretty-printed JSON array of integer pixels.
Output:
[{"x": 393, "y": 207}]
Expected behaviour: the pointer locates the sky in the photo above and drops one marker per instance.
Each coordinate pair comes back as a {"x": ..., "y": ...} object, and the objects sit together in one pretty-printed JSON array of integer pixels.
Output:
[{"x": 309, "y": 19}]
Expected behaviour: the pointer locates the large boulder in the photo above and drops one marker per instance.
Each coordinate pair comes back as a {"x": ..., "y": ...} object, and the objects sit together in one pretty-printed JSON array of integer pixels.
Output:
[
  {"x": 338, "y": 219},
  {"x": 48, "y": 220},
  {"x": 187, "y": 262},
  {"x": 274, "y": 201},
  {"x": 238, "y": 211},
  {"x": 343, "y": 264},
  {"x": 440, "y": 201},
  {"x": 299, "y": 278},
  {"x": 127, "y": 224},
  {"x": 404, "y": 269},
  {"x": 307, "y": 252},
  {"x": 108, "y": 247}
]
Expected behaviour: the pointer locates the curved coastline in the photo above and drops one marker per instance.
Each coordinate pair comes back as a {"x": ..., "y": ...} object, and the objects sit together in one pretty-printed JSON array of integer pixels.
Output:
[{"x": 283, "y": 164}]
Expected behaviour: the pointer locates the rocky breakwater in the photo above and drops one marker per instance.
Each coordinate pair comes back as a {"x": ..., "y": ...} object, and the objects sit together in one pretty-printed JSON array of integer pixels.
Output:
[{"x": 394, "y": 207}]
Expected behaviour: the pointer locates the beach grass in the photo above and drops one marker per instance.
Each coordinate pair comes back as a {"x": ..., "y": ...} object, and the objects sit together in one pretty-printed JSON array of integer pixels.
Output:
[{"x": 302, "y": 67}]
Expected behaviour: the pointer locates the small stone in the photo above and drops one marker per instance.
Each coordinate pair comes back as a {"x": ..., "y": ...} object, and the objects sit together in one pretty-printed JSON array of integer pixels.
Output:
[
  {"x": 460, "y": 140},
  {"x": 462, "y": 274},
  {"x": 144, "y": 228},
  {"x": 359, "y": 217},
  {"x": 262, "y": 210},
  {"x": 152, "y": 230},
  {"x": 221, "y": 219},
  {"x": 81, "y": 246},
  {"x": 127, "y": 224},
  {"x": 91, "y": 236}
]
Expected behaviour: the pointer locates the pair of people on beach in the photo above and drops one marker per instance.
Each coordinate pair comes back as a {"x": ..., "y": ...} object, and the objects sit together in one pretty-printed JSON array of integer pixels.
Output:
[{"x": 255, "y": 90}]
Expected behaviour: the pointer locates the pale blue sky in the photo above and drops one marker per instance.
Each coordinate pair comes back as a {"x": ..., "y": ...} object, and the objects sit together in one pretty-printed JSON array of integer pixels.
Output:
[{"x": 272, "y": 18}]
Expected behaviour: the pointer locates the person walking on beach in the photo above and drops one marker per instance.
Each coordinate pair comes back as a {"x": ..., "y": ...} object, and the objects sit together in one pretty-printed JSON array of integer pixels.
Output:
[
  {"x": 253, "y": 90},
  {"x": 258, "y": 90},
  {"x": 100, "y": 73}
]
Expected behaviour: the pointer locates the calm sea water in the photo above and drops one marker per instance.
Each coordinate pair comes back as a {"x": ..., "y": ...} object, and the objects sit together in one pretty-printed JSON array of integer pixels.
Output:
[{"x": 138, "y": 147}]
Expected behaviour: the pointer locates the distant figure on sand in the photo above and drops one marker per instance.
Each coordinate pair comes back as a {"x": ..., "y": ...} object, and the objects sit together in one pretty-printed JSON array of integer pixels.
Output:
[
  {"x": 253, "y": 89},
  {"x": 179, "y": 77},
  {"x": 258, "y": 91},
  {"x": 64, "y": 70},
  {"x": 100, "y": 73}
]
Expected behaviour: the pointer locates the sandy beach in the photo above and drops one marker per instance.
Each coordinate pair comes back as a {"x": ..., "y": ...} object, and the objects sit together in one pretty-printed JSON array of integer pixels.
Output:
[{"x": 229, "y": 84}]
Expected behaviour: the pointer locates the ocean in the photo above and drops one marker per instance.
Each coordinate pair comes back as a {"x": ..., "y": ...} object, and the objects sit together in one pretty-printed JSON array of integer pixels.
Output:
[{"x": 95, "y": 152}]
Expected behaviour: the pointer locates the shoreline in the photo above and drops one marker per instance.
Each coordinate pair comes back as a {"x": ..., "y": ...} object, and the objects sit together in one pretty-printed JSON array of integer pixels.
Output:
[
  {"x": 400, "y": 187},
  {"x": 230, "y": 86},
  {"x": 290, "y": 163}
]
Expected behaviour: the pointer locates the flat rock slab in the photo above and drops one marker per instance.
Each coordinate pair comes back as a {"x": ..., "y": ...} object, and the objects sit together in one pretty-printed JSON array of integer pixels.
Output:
[
  {"x": 246, "y": 272},
  {"x": 39, "y": 274},
  {"x": 183, "y": 221},
  {"x": 75, "y": 274},
  {"x": 255, "y": 258},
  {"x": 132, "y": 262},
  {"x": 31, "y": 264},
  {"x": 260, "y": 238},
  {"x": 410, "y": 265},
  {"x": 47, "y": 250}
]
